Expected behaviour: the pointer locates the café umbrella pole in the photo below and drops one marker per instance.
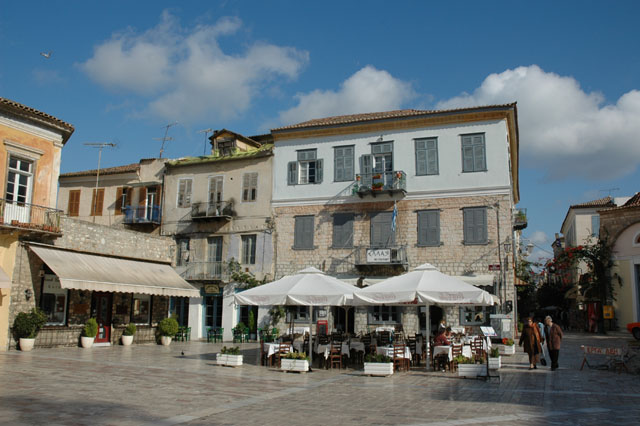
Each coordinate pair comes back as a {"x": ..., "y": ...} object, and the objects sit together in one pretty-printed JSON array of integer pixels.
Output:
[
  {"x": 310, "y": 336},
  {"x": 428, "y": 337}
]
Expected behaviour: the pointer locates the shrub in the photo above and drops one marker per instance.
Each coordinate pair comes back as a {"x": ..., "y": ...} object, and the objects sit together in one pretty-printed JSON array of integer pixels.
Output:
[
  {"x": 495, "y": 353},
  {"x": 297, "y": 355},
  {"x": 168, "y": 327},
  {"x": 90, "y": 328},
  {"x": 241, "y": 326},
  {"x": 377, "y": 358},
  {"x": 130, "y": 330},
  {"x": 461, "y": 359},
  {"x": 28, "y": 324},
  {"x": 230, "y": 351},
  {"x": 507, "y": 342}
]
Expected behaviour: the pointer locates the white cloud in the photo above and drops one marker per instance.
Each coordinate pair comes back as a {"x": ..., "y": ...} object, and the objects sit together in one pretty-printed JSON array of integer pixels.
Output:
[
  {"x": 185, "y": 74},
  {"x": 368, "y": 90},
  {"x": 539, "y": 238},
  {"x": 564, "y": 129}
]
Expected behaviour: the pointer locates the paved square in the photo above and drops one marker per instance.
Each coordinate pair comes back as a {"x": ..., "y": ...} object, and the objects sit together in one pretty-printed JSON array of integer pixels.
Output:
[{"x": 149, "y": 384}]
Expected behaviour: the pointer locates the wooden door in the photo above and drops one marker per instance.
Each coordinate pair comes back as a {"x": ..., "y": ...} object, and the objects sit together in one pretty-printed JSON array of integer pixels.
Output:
[{"x": 103, "y": 306}]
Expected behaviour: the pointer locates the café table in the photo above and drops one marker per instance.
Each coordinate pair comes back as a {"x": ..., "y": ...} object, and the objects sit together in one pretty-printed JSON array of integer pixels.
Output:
[{"x": 388, "y": 351}]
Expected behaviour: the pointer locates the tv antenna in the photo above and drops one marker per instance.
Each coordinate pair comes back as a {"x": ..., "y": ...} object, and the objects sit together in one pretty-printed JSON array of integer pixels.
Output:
[
  {"x": 100, "y": 146},
  {"x": 206, "y": 132},
  {"x": 165, "y": 138},
  {"x": 609, "y": 190}
]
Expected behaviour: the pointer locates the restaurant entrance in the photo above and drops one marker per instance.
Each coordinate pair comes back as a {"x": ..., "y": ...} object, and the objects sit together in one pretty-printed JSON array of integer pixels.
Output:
[
  {"x": 340, "y": 321},
  {"x": 101, "y": 311}
]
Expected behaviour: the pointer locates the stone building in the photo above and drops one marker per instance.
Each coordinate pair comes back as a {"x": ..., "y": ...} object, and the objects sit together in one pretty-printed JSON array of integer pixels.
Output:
[{"x": 364, "y": 197}]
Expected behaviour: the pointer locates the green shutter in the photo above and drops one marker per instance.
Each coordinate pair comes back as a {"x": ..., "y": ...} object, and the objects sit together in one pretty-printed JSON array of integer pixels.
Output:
[
  {"x": 292, "y": 174},
  {"x": 318, "y": 171}
]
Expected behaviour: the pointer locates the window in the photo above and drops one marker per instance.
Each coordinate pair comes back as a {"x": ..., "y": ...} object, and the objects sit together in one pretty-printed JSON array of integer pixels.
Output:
[
  {"x": 473, "y": 315},
  {"x": 121, "y": 200},
  {"x": 429, "y": 228},
  {"x": 427, "y": 156},
  {"x": 249, "y": 186},
  {"x": 73, "y": 209},
  {"x": 475, "y": 225},
  {"x": 343, "y": 230},
  {"x": 97, "y": 201},
  {"x": 214, "y": 257},
  {"x": 141, "y": 309},
  {"x": 473, "y": 153},
  {"x": 184, "y": 192},
  {"x": 303, "y": 232},
  {"x": 54, "y": 300},
  {"x": 249, "y": 249},
  {"x": 299, "y": 313},
  {"x": 384, "y": 314},
  {"x": 595, "y": 225},
  {"x": 308, "y": 169},
  {"x": 376, "y": 169},
  {"x": 19, "y": 180},
  {"x": 381, "y": 233},
  {"x": 343, "y": 164},
  {"x": 182, "y": 252}
]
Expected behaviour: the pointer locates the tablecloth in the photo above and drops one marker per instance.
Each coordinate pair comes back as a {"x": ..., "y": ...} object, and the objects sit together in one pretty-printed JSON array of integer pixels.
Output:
[
  {"x": 271, "y": 348},
  {"x": 388, "y": 351}
]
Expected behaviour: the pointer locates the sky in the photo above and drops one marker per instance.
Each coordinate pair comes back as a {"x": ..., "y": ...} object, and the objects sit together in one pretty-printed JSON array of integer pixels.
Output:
[{"x": 121, "y": 71}]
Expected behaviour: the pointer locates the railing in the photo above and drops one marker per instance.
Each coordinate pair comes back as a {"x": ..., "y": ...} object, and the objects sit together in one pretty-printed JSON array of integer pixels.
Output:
[
  {"x": 142, "y": 214},
  {"x": 384, "y": 181},
  {"x": 391, "y": 255},
  {"x": 29, "y": 216},
  {"x": 214, "y": 209},
  {"x": 205, "y": 271},
  {"x": 520, "y": 219}
]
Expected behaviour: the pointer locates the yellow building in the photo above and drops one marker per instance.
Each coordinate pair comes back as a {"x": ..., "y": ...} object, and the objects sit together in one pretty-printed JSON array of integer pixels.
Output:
[{"x": 31, "y": 144}]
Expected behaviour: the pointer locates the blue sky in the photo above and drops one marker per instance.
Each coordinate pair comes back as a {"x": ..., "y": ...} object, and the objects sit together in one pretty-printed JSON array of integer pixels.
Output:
[{"x": 120, "y": 71}]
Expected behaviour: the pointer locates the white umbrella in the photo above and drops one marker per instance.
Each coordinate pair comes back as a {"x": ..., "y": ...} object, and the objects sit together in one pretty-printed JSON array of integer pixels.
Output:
[
  {"x": 424, "y": 285},
  {"x": 309, "y": 287}
]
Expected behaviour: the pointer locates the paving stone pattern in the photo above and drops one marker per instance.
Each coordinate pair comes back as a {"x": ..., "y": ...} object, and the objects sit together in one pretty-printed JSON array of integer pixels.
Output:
[{"x": 151, "y": 384}]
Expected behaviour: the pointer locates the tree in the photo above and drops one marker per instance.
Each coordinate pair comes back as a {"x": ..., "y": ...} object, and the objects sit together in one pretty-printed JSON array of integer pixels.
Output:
[{"x": 245, "y": 279}]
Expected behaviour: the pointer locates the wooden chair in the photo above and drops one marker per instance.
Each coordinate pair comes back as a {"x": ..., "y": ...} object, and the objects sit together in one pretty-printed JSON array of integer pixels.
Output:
[
  {"x": 477, "y": 348},
  {"x": 400, "y": 363},
  {"x": 369, "y": 345},
  {"x": 455, "y": 351},
  {"x": 335, "y": 355},
  {"x": 412, "y": 342},
  {"x": 384, "y": 338},
  {"x": 283, "y": 349}
]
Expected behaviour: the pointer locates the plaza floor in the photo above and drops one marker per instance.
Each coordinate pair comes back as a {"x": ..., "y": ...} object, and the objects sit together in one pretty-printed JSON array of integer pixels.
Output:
[{"x": 156, "y": 385}]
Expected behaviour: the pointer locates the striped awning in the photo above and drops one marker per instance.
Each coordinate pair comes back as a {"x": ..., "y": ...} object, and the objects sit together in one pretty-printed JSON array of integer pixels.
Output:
[{"x": 84, "y": 271}]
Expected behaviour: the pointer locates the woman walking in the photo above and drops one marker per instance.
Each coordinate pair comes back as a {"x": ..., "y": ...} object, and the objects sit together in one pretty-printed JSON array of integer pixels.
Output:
[{"x": 530, "y": 340}]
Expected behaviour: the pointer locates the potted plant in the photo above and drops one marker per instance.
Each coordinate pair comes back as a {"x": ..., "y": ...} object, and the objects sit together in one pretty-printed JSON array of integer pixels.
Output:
[
  {"x": 252, "y": 325},
  {"x": 26, "y": 327},
  {"x": 128, "y": 333},
  {"x": 295, "y": 361},
  {"x": 508, "y": 347},
  {"x": 378, "y": 365},
  {"x": 467, "y": 367},
  {"x": 494, "y": 359},
  {"x": 89, "y": 333},
  {"x": 377, "y": 186},
  {"x": 167, "y": 328},
  {"x": 238, "y": 332},
  {"x": 229, "y": 356}
]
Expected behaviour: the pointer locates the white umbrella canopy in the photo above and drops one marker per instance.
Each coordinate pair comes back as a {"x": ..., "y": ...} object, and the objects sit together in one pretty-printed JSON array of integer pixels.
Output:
[
  {"x": 424, "y": 285},
  {"x": 309, "y": 287}
]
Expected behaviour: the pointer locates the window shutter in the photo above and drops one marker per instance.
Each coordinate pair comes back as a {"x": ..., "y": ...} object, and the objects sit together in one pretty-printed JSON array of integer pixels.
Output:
[
  {"x": 297, "y": 233},
  {"x": 483, "y": 225},
  {"x": 478, "y": 157},
  {"x": 187, "y": 196},
  {"x": 142, "y": 196},
  {"x": 366, "y": 170},
  {"x": 467, "y": 154},
  {"x": 119, "y": 194},
  {"x": 73, "y": 208},
  {"x": 319, "y": 171},
  {"x": 129, "y": 196},
  {"x": 348, "y": 163},
  {"x": 423, "y": 229},
  {"x": 421, "y": 158},
  {"x": 432, "y": 158},
  {"x": 308, "y": 232},
  {"x": 468, "y": 225},
  {"x": 99, "y": 202},
  {"x": 158, "y": 195},
  {"x": 292, "y": 174}
]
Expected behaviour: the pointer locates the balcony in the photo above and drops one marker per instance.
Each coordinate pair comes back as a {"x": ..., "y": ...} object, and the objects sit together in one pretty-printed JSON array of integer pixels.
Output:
[
  {"x": 217, "y": 210},
  {"x": 381, "y": 256},
  {"x": 374, "y": 184},
  {"x": 205, "y": 271},
  {"x": 29, "y": 216},
  {"x": 520, "y": 219},
  {"x": 142, "y": 215}
]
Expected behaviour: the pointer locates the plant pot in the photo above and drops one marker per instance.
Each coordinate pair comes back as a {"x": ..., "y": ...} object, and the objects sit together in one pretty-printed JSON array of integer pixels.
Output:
[
  {"x": 507, "y": 350},
  {"x": 378, "y": 368},
  {"x": 26, "y": 344},
  {"x": 165, "y": 340},
  {"x": 86, "y": 342},
  {"x": 495, "y": 363},
  {"x": 300, "y": 365},
  {"x": 127, "y": 340},
  {"x": 472, "y": 370},
  {"x": 229, "y": 360}
]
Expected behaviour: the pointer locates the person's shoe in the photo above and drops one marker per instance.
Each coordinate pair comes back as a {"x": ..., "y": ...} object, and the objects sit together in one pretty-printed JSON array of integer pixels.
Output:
[
  {"x": 530, "y": 368},
  {"x": 535, "y": 367}
]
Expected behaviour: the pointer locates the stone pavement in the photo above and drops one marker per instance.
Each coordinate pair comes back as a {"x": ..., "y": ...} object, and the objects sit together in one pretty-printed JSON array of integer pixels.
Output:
[{"x": 156, "y": 385}]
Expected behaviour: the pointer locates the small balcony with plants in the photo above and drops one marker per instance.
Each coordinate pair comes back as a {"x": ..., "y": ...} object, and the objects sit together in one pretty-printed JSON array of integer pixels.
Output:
[
  {"x": 520, "y": 219},
  {"x": 377, "y": 183},
  {"x": 212, "y": 210},
  {"x": 142, "y": 215},
  {"x": 30, "y": 217}
]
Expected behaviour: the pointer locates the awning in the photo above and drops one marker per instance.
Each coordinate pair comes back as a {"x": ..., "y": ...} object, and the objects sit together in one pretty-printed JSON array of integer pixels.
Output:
[
  {"x": 82, "y": 271},
  {"x": 477, "y": 280},
  {"x": 5, "y": 281}
]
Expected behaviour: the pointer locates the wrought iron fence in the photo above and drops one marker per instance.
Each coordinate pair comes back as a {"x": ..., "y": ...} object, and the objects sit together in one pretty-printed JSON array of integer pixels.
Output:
[
  {"x": 142, "y": 214},
  {"x": 29, "y": 216},
  {"x": 383, "y": 181},
  {"x": 205, "y": 271},
  {"x": 211, "y": 209}
]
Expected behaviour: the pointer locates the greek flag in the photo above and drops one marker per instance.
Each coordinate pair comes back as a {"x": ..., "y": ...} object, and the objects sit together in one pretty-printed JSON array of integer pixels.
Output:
[{"x": 394, "y": 216}]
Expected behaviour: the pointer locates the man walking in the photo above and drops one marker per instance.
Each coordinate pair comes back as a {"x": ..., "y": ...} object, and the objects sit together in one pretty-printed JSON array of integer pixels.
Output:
[{"x": 554, "y": 335}]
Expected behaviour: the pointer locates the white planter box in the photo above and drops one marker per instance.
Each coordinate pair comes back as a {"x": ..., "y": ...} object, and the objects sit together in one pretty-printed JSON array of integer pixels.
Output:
[
  {"x": 26, "y": 344},
  {"x": 86, "y": 342},
  {"x": 472, "y": 370},
  {"x": 127, "y": 340},
  {"x": 229, "y": 360},
  {"x": 507, "y": 350},
  {"x": 165, "y": 340},
  {"x": 495, "y": 363},
  {"x": 378, "y": 368},
  {"x": 294, "y": 365}
]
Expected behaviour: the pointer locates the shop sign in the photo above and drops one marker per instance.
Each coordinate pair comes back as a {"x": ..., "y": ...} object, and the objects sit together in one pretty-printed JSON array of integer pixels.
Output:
[
  {"x": 379, "y": 256},
  {"x": 211, "y": 289},
  {"x": 495, "y": 267},
  {"x": 607, "y": 312}
]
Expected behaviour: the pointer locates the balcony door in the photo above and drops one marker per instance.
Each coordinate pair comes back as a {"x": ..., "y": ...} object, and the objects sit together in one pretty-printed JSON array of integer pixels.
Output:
[
  {"x": 151, "y": 204},
  {"x": 18, "y": 193},
  {"x": 214, "y": 257},
  {"x": 383, "y": 162},
  {"x": 214, "y": 207}
]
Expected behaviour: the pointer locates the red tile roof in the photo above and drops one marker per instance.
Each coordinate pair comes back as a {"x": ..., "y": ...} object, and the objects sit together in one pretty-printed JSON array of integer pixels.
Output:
[
  {"x": 633, "y": 201},
  {"x": 129, "y": 168},
  {"x": 32, "y": 113},
  {"x": 372, "y": 116},
  {"x": 601, "y": 202}
]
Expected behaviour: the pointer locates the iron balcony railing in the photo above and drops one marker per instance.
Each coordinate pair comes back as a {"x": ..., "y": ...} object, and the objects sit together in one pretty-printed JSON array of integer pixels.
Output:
[
  {"x": 29, "y": 216},
  {"x": 371, "y": 255},
  {"x": 520, "y": 219},
  {"x": 212, "y": 210},
  {"x": 205, "y": 271},
  {"x": 142, "y": 214},
  {"x": 383, "y": 181}
]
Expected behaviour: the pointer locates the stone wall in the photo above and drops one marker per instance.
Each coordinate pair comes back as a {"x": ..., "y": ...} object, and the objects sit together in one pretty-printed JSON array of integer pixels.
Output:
[{"x": 614, "y": 221}]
